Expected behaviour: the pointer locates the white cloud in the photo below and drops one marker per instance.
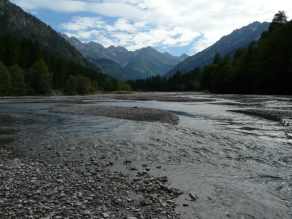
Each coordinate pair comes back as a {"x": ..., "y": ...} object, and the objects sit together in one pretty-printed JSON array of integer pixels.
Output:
[
  {"x": 160, "y": 22},
  {"x": 105, "y": 8},
  {"x": 82, "y": 23},
  {"x": 132, "y": 35}
]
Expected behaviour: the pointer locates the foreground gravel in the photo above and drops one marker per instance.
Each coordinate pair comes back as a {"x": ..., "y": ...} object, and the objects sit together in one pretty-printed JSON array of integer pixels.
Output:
[
  {"x": 129, "y": 113},
  {"x": 31, "y": 188}
]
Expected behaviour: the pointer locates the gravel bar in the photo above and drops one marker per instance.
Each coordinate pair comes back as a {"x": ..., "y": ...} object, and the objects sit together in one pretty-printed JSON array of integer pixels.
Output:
[
  {"x": 283, "y": 116},
  {"x": 31, "y": 188},
  {"x": 164, "y": 97},
  {"x": 118, "y": 112}
]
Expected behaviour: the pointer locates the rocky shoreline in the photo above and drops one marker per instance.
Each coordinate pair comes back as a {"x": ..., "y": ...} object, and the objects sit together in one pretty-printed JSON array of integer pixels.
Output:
[
  {"x": 284, "y": 116},
  {"x": 119, "y": 112},
  {"x": 31, "y": 188},
  {"x": 164, "y": 97}
]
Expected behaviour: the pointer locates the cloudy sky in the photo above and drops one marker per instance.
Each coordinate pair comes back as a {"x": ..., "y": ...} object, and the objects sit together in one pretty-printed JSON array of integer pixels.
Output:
[{"x": 175, "y": 26}]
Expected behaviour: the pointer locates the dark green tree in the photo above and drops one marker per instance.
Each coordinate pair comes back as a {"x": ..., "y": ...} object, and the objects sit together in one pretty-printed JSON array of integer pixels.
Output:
[
  {"x": 227, "y": 59},
  {"x": 252, "y": 47},
  {"x": 11, "y": 51},
  {"x": 71, "y": 85},
  {"x": 18, "y": 86},
  {"x": 206, "y": 78},
  {"x": 239, "y": 53},
  {"x": 84, "y": 85},
  {"x": 41, "y": 77},
  {"x": 4, "y": 80},
  {"x": 217, "y": 59},
  {"x": 94, "y": 85},
  {"x": 108, "y": 84},
  {"x": 115, "y": 83},
  {"x": 280, "y": 17},
  {"x": 278, "y": 21},
  {"x": 2, "y": 49}
]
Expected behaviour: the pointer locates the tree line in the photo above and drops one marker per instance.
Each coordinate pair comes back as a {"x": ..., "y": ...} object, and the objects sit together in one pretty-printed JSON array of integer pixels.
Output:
[
  {"x": 26, "y": 69},
  {"x": 190, "y": 81},
  {"x": 264, "y": 67}
]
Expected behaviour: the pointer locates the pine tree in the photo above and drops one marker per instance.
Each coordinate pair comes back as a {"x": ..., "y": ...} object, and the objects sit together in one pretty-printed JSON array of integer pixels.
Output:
[
  {"x": 41, "y": 77},
  {"x": 71, "y": 85},
  {"x": 11, "y": 51},
  {"x": 2, "y": 48},
  {"x": 278, "y": 21},
  {"x": 18, "y": 86},
  {"x": 217, "y": 59},
  {"x": 4, "y": 80}
]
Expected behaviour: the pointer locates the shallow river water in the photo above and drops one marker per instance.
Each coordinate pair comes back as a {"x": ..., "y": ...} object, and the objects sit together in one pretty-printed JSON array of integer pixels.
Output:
[{"x": 238, "y": 165}]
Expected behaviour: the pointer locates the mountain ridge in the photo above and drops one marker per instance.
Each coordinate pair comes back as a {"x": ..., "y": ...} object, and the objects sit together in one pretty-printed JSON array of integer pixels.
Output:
[
  {"x": 227, "y": 44},
  {"x": 142, "y": 63},
  {"x": 111, "y": 51}
]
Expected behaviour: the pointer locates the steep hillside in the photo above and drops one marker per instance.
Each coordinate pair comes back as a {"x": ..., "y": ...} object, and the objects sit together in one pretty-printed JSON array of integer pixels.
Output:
[
  {"x": 227, "y": 44},
  {"x": 111, "y": 68},
  {"x": 21, "y": 24},
  {"x": 150, "y": 62}
]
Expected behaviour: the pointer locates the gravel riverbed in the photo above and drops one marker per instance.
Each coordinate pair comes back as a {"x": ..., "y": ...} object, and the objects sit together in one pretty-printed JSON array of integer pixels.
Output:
[
  {"x": 57, "y": 165},
  {"x": 31, "y": 188},
  {"x": 119, "y": 112}
]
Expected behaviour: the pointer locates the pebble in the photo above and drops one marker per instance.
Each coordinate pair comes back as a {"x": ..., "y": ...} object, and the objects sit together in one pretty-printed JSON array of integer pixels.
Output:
[
  {"x": 86, "y": 212},
  {"x": 105, "y": 215},
  {"x": 61, "y": 192}
]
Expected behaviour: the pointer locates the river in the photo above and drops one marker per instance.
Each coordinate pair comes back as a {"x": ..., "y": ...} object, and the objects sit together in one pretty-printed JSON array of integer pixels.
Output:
[{"x": 238, "y": 165}]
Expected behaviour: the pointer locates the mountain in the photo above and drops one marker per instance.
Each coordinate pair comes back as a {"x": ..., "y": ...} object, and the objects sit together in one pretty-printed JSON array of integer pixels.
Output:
[
  {"x": 227, "y": 44},
  {"x": 141, "y": 63},
  {"x": 150, "y": 62},
  {"x": 20, "y": 24},
  {"x": 179, "y": 58},
  {"x": 104, "y": 62},
  {"x": 111, "y": 68},
  {"x": 95, "y": 50}
]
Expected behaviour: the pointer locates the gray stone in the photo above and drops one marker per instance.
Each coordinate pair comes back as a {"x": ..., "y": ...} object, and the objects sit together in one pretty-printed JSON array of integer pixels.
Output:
[
  {"x": 146, "y": 202},
  {"x": 86, "y": 212},
  {"x": 118, "y": 201},
  {"x": 105, "y": 215}
]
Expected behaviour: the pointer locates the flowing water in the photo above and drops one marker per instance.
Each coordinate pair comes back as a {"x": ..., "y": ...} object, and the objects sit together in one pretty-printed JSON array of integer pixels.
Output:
[{"x": 239, "y": 166}]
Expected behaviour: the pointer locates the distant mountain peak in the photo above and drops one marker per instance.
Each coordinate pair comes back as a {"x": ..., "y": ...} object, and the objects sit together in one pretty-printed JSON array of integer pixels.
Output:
[
  {"x": 111, "y": 47},
  {"x": 184, "y": 56}
]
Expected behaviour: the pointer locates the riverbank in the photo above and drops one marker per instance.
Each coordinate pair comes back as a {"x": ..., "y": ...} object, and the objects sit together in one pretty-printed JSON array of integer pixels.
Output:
[{"x": 31, "y": 188}]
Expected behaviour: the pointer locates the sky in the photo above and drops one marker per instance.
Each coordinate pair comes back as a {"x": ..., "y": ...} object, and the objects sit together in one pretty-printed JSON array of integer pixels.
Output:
[{"x": 173, "y": 26}]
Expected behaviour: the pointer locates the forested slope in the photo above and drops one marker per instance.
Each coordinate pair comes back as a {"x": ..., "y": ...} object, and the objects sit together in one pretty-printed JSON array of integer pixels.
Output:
[
  {"x": 227, "y": 44},
  {"x": 264, "y": 67},
  {"x": 20, "y": 24}
]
